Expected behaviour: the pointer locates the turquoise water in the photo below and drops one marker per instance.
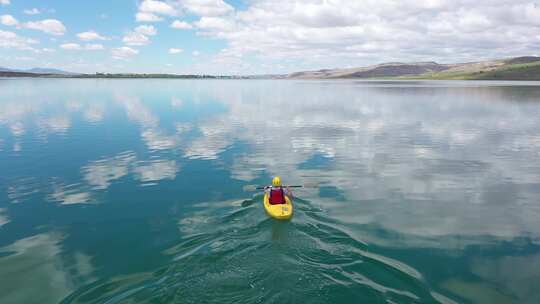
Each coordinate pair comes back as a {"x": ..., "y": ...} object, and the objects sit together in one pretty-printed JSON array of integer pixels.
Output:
[{"x": 132, "y": 191}]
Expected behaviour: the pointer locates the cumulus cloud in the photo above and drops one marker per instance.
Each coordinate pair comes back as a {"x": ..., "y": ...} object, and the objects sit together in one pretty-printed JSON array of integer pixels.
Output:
[
  {"x": 90, "y": 35},
  {"x": 48, "y": 26},
  {"x": 215, "y": 24},
  {"x": 157, "y": 7},
  {"x": 147, "y": 17},
  {"x": 181, "y": 25},
  {"x": 148, "y": 30},
  {"x": 70, "y": 46},
  {"x": 209, "y": 8},
  {"x": 33, "y": 11},
  {"x": 134, "y": 38},
  {"x": 344, "y": 33},
  {"x": 4, "y": 2},
  {"x": 78, "y": 47},
  {"x": 94, "y": 47},
  {"x": 150, "y": 11},
  {"x": 10, "y": 40},
  {"x": 175, "y": 51},
  {"x": 123, "y": 52},
  {"x": 8, "y": 20}
]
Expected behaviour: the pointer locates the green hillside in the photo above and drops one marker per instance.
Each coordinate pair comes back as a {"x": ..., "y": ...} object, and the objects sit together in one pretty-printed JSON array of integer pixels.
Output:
[{"x": 507, "y": 71}]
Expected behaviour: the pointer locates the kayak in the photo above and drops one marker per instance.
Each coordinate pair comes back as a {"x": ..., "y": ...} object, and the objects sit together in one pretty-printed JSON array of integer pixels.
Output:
[{"x": 280, "y": 211}]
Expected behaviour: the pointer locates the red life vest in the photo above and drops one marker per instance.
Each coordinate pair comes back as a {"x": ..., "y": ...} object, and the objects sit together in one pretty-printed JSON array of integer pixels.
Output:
[{"x": 277, "y": 196}]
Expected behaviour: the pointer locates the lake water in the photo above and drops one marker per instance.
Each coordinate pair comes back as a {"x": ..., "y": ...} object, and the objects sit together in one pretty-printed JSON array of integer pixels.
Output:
[{"x": 132, "y": 191}]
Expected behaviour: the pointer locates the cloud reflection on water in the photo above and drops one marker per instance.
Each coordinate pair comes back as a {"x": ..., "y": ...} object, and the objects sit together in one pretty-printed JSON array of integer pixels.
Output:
[
  {"x": 424, "y": 149},
  {"x": 52, "y": 277},
  {"x": 155, "y": 170},
  {"x": 101, "y": 173},
  {"x": 4, "y": 219},
  {"x": 414, "y": 166}
]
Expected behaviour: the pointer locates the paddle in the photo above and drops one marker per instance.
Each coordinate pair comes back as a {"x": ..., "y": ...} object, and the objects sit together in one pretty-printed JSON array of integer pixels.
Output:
[{"x": 306, "y": 185}]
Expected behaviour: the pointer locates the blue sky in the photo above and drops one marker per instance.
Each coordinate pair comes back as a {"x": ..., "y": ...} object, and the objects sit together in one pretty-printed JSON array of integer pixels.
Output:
[{"x": 259, "y": 36}]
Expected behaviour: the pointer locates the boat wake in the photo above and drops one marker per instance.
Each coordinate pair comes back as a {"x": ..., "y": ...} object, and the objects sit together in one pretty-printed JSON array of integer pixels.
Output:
[{"x": 243, "y": 256}]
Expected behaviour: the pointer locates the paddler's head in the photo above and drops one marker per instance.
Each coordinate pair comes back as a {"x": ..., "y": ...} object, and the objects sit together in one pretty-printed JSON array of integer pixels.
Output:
[{"x": 276, "y": 182}]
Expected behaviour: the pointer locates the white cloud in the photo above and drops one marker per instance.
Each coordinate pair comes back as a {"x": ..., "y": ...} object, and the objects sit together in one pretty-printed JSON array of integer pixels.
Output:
[
  {"x": 181, "y": 25},
  {"x": 24, "y": 58},
  {"x": 70, "y": 46},
  {"x": 10, "y": 40},
  {"x": 215, "y": 23},
  {"x": 150, "y": 11},
  {"x": 90, "y": 35},
  {"x": 33, "y": 11},
  {"x": 195, "y": 53},
  {"x": 175, "y": 51},
  {"x": 123, "y": 52},
  {"x": 339, "y": 33},
  {"x": 140, "y": 35},
  {"x": 473, "y": 22},
  {"x": 78, "y": 47},
  {"x": 157, "y": 7},
  {"x": 147, "y": 17},
  {"x": 48, "y": 26},
  {"x": 4, "y": 2},
  {"x": 210, "y": 8},
  {"x": 134, "y": 38},
  {"x": 8, "y": 20},
  {"x": 148, "y": 30},
  {"x": 94, "y": 47}
]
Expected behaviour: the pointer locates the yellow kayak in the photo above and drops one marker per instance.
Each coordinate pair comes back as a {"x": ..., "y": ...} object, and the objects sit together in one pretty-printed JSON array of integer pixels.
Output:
[{"x": 280, "y": 211}]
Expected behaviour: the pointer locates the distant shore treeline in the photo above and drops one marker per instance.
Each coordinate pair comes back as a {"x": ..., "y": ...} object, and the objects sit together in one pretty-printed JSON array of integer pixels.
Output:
[{"x": 517, "y": 68}]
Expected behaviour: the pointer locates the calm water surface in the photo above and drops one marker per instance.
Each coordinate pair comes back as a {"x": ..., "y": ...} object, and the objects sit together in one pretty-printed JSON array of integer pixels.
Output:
[{"x": 131, "y": 191}]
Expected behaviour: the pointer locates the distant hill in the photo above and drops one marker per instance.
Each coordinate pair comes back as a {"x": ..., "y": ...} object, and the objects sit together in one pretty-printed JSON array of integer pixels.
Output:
[
  {"x": 519, "y": 68},
  {"x": 38, "y": 71},
  {"x": 49, "y": 71},
  {"x": 4, "y": 73}
]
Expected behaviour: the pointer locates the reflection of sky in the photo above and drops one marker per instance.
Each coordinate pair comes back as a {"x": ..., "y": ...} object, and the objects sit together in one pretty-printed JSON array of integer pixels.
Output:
[
  {"x": 3, "y": 217},
  {"x": 460, "y": 146},
  {"x": 51, "y": 279},
  {"x": 442, "y": 165},
  {"x": 446, "y": 153}
]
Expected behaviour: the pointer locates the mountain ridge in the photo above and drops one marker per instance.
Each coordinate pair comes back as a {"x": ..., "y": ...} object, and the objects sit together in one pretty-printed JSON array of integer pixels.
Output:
[
  {"x": 38, "y": 70},
  {"x": 516, "y": 68}
]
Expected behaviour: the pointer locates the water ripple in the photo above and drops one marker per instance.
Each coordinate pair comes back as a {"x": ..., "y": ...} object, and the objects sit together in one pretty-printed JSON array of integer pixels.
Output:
[{"x": 245, "y": 257}]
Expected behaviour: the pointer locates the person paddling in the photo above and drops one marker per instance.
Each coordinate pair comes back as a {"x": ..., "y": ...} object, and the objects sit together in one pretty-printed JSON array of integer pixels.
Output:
[{"x": 276, "y": 192}]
